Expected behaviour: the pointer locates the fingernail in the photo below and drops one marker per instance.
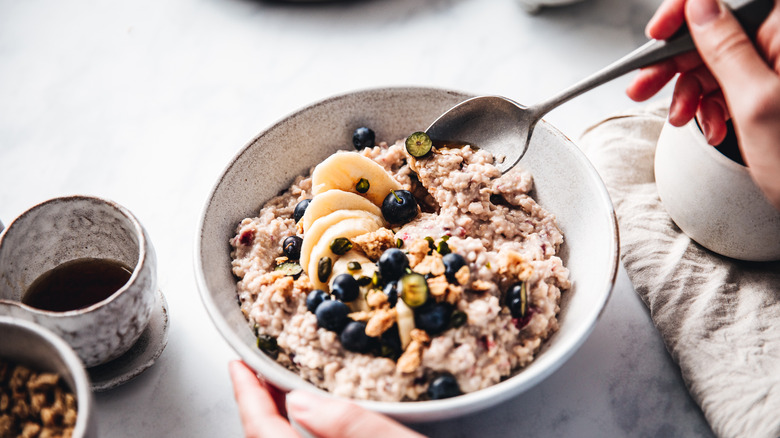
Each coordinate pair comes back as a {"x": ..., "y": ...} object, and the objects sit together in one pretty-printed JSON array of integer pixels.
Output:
[
  {"x": 673, "y": 110},
  {"x": 705, "y": 129},
  {"x": 702, "y": 12}
]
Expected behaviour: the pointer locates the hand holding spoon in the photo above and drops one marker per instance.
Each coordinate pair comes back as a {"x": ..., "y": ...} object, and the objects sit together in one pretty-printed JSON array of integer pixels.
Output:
[{"x": 504, "y": 127}]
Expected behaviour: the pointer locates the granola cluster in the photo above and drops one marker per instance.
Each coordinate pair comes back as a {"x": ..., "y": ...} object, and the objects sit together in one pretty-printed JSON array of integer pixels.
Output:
[{"x": 34, "y": 404}]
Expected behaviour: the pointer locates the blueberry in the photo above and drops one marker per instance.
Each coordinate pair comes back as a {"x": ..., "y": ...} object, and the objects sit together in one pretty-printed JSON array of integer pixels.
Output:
[
  {"x": 399, "y": 207},
  {"x": 452, "y": 264},
  {"x": 332, "y": 315},
  {"x": 517, "y": 300},
  {"x": 300, "y": 209},
  {"x": 392, "y": 264},
  {"x": 345, "y": 288},
  {"x": 291, "y": 246},
  {"x": 443, "y": 386},
  {"x": 315, "y": 298},
  {"x": 434, "y": 318},
  {"x": 363, "y": 138},
  {"x": 354, "y": 337},
  {"x": 391, "y": 291}
]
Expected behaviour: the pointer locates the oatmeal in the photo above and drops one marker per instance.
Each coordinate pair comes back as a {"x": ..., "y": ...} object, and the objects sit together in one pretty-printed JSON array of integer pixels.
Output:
[{"x": 388, "y": 276}]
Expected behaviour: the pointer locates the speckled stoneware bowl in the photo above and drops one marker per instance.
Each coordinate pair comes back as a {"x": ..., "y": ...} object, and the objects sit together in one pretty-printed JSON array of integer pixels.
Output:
[
  {"x": 566, "y": 184},
  {"x": 69, "y": 228},
  {"x": 712, "y": 198},
  {"x": 37, "y": 348}
]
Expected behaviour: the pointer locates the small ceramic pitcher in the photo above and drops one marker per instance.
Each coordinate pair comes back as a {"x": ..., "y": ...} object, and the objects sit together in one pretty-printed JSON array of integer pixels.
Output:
[{"x": 76, "y": 227}]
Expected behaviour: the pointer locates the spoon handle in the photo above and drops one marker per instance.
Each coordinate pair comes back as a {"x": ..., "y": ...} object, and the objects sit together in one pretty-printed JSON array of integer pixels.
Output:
[{"x": 749, "y": 13}]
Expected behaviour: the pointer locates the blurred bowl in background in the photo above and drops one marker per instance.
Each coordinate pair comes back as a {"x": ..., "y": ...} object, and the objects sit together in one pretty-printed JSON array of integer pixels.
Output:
[{"x": 532, "y": 6}]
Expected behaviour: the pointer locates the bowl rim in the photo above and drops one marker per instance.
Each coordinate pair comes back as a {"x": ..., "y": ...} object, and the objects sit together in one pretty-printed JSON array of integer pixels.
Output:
[
  {"x": 429, "y": 410},
  {"x": 83, "y": 389}
]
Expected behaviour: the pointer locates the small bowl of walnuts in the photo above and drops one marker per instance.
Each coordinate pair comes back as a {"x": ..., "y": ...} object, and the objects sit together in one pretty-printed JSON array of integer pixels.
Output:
[{"x": 44, "y": 388}]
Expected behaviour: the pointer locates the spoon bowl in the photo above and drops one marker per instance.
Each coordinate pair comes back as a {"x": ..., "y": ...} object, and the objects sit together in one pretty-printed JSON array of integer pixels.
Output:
[{"x": 496, "y": 123}]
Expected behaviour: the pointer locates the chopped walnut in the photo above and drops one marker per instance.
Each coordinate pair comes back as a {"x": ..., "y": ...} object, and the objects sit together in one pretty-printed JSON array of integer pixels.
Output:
[
  {"x": 361, "y": 316},
  {"x": 411, "y": 358},
  {"x": 438, "y": 287},
  {"x": 463, "y": 275},
  {"x": 513, "y": 265},
  {"x": 281, "y": 259},
  {"x": 417, "y": 250},
  {"x": 430, "y": 264},
  {"x": 380, "y": 322},
  {"x": 377, "y": 300},
  {"x": 454, "y": 293},
  {"x": 281, "y": 286},
  {"x": 481, "y": 286},
  {"x": 443, "y": 290},
  {"x": 34, "y": 404},
  {"x": 31, "y": 430},
  {"x": 373, "y": 244}
]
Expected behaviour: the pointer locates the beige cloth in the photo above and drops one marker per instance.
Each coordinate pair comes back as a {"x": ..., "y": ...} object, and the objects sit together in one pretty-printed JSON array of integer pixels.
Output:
[{"x": 719, "y": 318}]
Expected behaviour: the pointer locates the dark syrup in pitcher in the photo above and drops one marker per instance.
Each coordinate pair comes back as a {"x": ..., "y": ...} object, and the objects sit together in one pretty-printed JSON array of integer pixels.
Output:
[{"x": 76, "y": 284}]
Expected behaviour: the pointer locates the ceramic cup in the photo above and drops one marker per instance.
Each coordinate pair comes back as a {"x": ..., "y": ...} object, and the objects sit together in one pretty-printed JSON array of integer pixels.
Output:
[
  {"x": 76, "y": 227},
  {"x": 712, "y": 198},
  {"x": 33, "y": 346}
]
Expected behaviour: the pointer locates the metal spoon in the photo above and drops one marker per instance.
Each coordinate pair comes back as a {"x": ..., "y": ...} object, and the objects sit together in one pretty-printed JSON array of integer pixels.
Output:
[{"x": 503, "y": 126}]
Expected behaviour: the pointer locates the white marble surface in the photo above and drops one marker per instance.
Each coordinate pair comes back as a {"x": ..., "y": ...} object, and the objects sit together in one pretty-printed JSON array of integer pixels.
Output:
[{"x": 145, "y": 102}]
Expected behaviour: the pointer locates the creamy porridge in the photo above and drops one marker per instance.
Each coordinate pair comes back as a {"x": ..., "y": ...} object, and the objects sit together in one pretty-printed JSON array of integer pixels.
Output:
[{"x": 387, "y": 277}]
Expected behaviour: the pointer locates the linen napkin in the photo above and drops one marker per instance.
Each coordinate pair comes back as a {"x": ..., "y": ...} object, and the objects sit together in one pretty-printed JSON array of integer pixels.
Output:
[{"x": 719, "y": 318}]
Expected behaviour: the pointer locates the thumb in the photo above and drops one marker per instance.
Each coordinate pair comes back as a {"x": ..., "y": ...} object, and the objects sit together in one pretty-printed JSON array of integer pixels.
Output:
[
  {"x": 331, "y": 417},
  {"x": 725, "y": 48}
]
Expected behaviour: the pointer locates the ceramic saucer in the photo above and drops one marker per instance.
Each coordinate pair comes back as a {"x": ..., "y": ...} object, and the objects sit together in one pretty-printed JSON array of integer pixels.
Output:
[{"x": 139, "y": 357}]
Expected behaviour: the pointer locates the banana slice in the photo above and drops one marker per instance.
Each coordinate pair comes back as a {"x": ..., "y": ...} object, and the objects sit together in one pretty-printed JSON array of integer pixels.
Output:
[
  {"x": 312, "y": 237},
  {"x": 405, "y": 321},
  {"x": 349, "y": 228},
  {"x": 333, "y": 200},
  {"x": 343, "y": 170},
  {"x": 367, "y": 267}
]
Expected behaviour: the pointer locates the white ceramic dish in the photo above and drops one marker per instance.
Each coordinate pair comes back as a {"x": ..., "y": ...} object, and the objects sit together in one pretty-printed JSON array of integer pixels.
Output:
[
  {"x": 712, "y": 198},
  {"x": 566, "y": 184},
  {"x": 36, "y": 347}
]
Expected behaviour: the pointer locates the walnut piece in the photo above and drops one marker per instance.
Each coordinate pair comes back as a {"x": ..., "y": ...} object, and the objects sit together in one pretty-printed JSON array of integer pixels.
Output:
[
  {"x": 411, "y": 358},
  {"x": 34, "y": 404},
  {"x": 512, "y": 265},
  {"x": 380, "y": 322},
  {"x": 430, "y": 264},
  {"x": 373, "y": 244}
]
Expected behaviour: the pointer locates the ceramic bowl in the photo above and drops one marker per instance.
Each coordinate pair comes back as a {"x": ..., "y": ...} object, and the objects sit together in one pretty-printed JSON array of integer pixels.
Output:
[
  {"x": 712, "y": 198},
  {"x": 36, "y": 347},
  {"x": 566, "y": 184}
]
